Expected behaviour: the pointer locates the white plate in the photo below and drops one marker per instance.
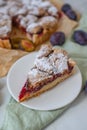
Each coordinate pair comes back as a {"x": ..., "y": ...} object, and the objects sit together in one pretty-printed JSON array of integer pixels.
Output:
[{"x": 60, "y": 96}]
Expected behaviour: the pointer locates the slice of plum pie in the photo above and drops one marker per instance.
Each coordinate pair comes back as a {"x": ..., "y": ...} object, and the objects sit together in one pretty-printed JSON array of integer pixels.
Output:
[{"x": 51, "y": 66}]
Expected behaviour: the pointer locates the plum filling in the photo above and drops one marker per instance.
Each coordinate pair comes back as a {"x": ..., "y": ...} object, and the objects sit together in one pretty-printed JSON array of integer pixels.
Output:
[
  {"x": 60, "y": 14},
  {"x": 5, "y": 38},
  {"x": 24, "y": 90},
  {"x": 40, "y": 33},
  {"x": 28, "y": 88},
  {"x": 22, "y": 29},
  {"x": 15, "y": 21}
]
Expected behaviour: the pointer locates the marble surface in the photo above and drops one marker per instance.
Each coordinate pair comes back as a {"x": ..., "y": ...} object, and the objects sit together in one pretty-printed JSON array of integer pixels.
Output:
[{"x": 75, "y": 116}]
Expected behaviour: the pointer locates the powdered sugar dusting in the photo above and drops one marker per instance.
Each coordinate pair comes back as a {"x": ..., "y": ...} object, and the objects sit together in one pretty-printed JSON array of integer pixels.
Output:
[
  {"x": 27, "y": 20},
  {"x": 48, "y": 21},
  {"x": 47, "y": 65},
  {"x": 5, "y": 25},
  {"x": 15, "y": 8},
  {"x": 34, "y": 10},
  {"x": 22, "y": 11},
  {"x": 35, "y": 75},
  {"x": 44, "y": 51},
  {"x": 43, "y": 64},
  {"x": 33, "y": 26},
  {"x": 53, "y": 11},
  {"x": 33, "y": 72},
  {"x": 2, "y": 3},
  {"x": 61, "y": 63},
  {"x": 52, "y": 62},
  {"x": 39, "y": 3}
]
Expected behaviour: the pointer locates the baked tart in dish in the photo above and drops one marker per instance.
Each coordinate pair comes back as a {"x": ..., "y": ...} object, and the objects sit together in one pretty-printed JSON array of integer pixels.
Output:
[
  {"x": 36, "y": 20},
  {"x": 24, "y": 26},
  {"x": 51, "y": 66}
]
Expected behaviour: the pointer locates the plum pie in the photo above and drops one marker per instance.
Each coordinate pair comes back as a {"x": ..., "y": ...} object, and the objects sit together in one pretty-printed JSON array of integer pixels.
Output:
[
  {"x": 51, "y": 66},
  {"x": 25, "y": 25}
]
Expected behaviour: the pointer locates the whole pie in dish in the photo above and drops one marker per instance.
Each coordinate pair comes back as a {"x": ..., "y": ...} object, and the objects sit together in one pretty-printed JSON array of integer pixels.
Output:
[
  {"x": 25, "y": 25},
  {"x": 51, "y": 66}
]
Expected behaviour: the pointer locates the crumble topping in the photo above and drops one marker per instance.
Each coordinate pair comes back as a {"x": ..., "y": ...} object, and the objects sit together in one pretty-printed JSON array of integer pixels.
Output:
[
  {"x": 2, "y": 2},
  {"x": 27, "y": 20},
  {"x": 48, "y": 63},
  {"x": 45, "y": 22},
  {"x": 34, "y": 28},
  {"x": 35, "y": 75},
  {"x": 40, "y": 3},
  {"x": 15, "y": 8},
  {"x": 59, "y": 61},
  {"x": 34, "y": 10},
  {"x": 26, "y": 14},
  {"x": 44, "y": 51},
  {"x": 53, "y": 11},
  {"x": 48, "y": 21},
  {"x": 44, "y": 64},
  {"x": 5, "y": 25},
  {"x": 37, "y": 12},
  {"x": 53, "y": 63}
]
